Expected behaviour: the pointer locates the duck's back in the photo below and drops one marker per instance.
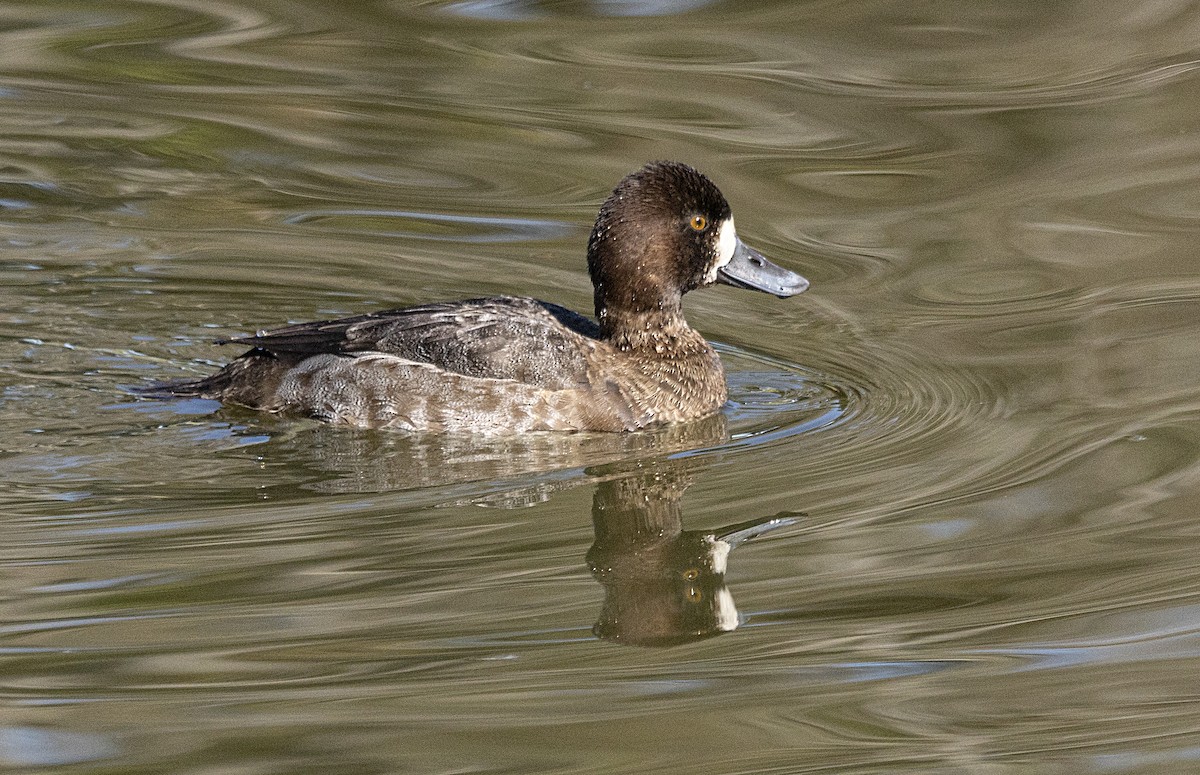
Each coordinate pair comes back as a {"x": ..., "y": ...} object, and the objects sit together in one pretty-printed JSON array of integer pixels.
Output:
[{"x": 504, "y": 337}]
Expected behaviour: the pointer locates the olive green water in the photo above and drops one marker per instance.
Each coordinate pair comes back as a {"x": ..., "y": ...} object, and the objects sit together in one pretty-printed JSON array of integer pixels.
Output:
[{"x": 987, "y": 406}]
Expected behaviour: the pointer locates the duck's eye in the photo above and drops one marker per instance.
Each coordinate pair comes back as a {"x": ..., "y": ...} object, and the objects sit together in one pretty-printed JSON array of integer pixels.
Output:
[{"x": 698, "y": 222}]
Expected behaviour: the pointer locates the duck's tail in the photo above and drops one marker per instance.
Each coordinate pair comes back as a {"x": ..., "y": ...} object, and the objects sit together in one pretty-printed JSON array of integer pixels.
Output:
[
  {"x": 247, "y": 380},
  {"x": 208, "y": 387}
]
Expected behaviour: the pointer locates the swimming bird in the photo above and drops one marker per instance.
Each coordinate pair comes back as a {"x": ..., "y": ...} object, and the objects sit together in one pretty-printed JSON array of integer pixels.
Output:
[{"x": 510, "y": 364}]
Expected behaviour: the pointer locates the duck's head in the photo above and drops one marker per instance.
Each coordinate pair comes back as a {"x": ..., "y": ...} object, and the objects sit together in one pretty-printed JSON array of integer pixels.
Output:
[{"x": 665, "y": 230}]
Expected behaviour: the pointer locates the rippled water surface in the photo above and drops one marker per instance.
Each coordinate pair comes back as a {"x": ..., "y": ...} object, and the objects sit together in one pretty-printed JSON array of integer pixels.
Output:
[{"x": 946, "y": 524}]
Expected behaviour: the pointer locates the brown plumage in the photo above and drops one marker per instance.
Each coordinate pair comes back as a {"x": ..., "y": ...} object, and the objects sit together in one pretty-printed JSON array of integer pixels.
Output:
[{"x": 512, "y": 364}]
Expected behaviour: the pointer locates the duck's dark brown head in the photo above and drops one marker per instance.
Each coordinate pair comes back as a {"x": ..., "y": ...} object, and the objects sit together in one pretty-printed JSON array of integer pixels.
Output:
[{"x": 665, "y": 230}]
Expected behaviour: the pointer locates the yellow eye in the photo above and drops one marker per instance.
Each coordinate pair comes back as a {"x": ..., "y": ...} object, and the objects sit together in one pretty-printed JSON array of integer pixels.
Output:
[{"x": 698, "y": 222}]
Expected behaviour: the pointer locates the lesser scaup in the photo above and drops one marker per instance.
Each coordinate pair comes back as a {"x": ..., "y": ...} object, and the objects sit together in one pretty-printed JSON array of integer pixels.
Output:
[{"x": 509, "y": 364}]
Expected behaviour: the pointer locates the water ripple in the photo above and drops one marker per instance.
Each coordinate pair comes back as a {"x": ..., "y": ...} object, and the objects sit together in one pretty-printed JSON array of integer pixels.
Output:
[
  {"x": 430, "y": 226},
  {"x": 521, "y": 10}
]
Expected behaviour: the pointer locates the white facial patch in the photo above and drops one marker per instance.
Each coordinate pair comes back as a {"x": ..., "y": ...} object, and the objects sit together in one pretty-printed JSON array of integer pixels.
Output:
[
  {"x": 727, "y": 240},
  {"x": 718, "y": 552},
  {"x": 726, "y": 612}
]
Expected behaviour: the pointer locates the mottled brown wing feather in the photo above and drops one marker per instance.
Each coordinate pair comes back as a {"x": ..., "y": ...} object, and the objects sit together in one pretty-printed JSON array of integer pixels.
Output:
[{"x": 501, "y": 338}]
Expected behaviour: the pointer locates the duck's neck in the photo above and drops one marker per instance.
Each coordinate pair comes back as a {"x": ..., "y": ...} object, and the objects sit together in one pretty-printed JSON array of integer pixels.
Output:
[{"x": 661, "y": 331}]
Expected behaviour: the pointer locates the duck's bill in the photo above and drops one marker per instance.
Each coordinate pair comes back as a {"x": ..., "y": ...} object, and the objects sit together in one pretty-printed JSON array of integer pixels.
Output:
[{"x": 750, "y": 269}]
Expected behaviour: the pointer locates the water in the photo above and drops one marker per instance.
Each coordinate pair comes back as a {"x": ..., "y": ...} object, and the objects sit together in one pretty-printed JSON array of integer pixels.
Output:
[{"x": 968, "y": 457}]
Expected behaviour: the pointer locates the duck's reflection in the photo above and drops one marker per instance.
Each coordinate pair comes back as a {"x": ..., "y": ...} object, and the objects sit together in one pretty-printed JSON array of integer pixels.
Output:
[
  {"x": 342, "y": 460},
  {"x": 663, "y": 585}
]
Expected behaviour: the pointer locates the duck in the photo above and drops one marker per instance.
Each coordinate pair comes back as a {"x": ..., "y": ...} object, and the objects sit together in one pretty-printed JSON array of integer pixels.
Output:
[{"x": 512, "y": 364}]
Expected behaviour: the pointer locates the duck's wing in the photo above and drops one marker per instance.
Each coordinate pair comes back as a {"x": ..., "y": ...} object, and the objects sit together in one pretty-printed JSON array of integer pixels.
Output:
[{"x": 501, "y": 338}]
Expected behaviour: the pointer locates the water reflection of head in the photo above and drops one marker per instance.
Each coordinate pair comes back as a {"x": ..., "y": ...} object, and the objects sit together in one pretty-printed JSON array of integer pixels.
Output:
[{"x": 663, "y": 585}]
